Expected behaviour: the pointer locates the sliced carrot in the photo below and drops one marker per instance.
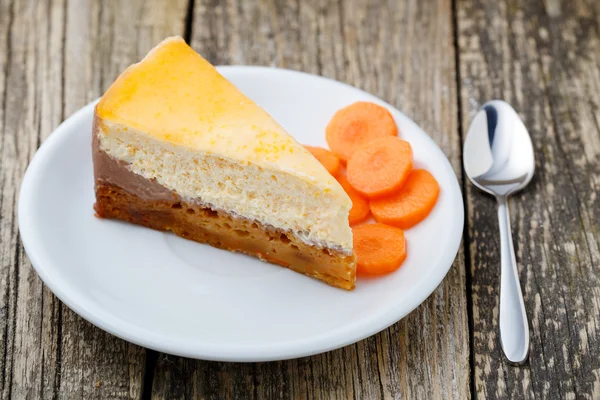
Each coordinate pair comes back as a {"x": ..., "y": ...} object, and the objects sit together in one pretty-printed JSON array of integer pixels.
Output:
[
  {"x": 357, "y": 124},
  {"x": 381, "y": 167},
  {"x": 411, "y": 204},
  {"x": 360, "y": 206},
  {"x": 379, "y": 248},
  {"x": 329, "y": 160}
]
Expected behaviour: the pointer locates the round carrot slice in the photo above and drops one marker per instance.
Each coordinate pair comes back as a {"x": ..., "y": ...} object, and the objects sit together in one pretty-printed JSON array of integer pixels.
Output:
[
  {"x": 379, "y": 248},
  {"x": 357, "y": 124},
  {"x": 360, "y": 206},
  {"x": 381, "y": 167},
  {"x": 330, "y": 161},
  {"x": 411, "y": 204}
]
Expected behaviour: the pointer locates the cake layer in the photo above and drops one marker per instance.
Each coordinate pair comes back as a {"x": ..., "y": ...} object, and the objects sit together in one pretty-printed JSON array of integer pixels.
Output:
[
  {"x": 271, "y": 196},
  {"x": 173, "y": 119},
  {"x": 226, "y": 231}
]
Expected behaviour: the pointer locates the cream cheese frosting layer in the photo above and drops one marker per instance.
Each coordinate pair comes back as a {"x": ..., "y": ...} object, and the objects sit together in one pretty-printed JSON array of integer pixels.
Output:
[
  {"x": 271, "y": 196},
  {"x": 176, "y": 96}
]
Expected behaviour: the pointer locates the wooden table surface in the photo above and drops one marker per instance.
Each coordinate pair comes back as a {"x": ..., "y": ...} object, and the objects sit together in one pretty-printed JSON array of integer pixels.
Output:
[{"x": 437, "y": 61}]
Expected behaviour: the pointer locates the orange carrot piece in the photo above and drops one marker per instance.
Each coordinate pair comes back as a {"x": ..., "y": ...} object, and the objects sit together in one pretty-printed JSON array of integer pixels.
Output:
[
  {"x": 360, "y": 206},
  {"x": 411, "y": 204},
  {"x": 329, "y": 160},
  {"x": 357, "y": 124},
  {"x": 379, "y": 248},
  {"x": 381, "y": 167}
]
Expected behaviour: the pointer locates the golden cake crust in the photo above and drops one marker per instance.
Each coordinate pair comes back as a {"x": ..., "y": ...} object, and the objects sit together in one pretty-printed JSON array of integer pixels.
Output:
[{"x": 224, "y": 231}]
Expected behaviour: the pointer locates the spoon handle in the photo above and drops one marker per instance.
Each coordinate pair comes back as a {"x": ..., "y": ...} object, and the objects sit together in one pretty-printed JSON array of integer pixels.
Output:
[{"x": 514, "y": 328}]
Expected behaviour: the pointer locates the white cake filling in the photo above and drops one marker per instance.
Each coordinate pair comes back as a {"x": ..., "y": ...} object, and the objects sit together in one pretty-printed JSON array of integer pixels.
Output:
[{"x": 282, "y": 200}]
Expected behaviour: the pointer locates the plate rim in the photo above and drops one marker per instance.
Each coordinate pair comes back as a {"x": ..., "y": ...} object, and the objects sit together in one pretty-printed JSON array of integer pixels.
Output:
[{"x": 333, "y": 339}]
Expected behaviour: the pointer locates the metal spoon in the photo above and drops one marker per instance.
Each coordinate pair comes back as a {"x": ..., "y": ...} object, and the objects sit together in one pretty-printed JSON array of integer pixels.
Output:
[{"x": 498, "y": 158}]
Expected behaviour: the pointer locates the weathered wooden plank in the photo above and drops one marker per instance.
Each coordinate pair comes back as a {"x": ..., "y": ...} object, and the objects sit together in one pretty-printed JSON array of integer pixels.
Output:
[
  {"x": 28, "y": 309},
  {"x": 55, "y": 57},
  {"x": 544, "y": 58},
  {"x": 403, "y": 52}
]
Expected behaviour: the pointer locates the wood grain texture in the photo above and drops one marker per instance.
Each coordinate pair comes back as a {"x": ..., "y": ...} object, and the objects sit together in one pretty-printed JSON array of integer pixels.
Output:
[
  {"x": 404, "y": 53},
  {"x": 544, "y": 58},
  {"x": 55, "y": 56}
]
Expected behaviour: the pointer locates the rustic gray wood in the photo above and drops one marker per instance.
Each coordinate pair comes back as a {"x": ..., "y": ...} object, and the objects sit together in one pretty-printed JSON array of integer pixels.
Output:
[
  {"x": 55, "y": 56},
  {"x": 403, "y": 52},
  {"x": 544, "y": 58}
]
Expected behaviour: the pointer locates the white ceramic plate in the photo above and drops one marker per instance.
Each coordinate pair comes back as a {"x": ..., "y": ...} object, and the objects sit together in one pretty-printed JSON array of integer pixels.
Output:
[{"x": 189, "y": 299}]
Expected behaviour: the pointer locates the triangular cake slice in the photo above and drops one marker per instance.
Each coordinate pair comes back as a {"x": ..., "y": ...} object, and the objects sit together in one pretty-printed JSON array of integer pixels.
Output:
[{"x": 179, "y": 148}]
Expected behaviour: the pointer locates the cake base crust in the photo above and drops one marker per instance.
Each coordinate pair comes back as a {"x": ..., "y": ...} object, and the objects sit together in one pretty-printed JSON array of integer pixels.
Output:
[{"x": 219, "y": 229}]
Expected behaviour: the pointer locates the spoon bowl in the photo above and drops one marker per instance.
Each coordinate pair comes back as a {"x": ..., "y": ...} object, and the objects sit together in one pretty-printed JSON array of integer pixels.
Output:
[{"x": 498, "y": 153}]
